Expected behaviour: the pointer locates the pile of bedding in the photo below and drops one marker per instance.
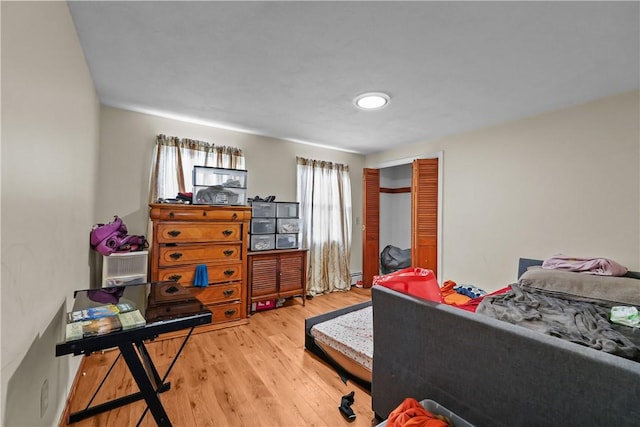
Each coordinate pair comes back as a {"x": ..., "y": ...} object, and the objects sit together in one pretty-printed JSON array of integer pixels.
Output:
[{"x": 570, "y": 305}]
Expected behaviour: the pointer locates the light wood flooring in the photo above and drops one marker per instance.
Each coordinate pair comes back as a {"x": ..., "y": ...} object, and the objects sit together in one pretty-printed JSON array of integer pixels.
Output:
[{"x": 250, "y": 375}]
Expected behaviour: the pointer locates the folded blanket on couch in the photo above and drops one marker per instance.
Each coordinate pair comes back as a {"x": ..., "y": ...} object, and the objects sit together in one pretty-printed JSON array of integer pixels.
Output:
[{"x": 599, "y": 266}]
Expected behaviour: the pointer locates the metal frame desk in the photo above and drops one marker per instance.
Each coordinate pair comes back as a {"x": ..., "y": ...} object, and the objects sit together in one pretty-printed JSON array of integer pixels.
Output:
[{"x": 167, "y": 307}]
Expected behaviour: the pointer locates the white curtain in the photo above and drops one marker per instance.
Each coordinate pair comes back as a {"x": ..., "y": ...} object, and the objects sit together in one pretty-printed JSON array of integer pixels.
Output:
[
  {"x": 324, "y": 193},
  {"x": 173, "y": 161}
]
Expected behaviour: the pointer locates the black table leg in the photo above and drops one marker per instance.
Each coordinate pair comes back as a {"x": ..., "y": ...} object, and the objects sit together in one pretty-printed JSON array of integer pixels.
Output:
[
  {"x": 144, "y": 384},
  {"x": 146, "y": 359}
]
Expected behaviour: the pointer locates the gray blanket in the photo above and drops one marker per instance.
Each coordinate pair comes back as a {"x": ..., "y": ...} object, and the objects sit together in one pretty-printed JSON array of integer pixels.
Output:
[{"x": 576, "y": 321}]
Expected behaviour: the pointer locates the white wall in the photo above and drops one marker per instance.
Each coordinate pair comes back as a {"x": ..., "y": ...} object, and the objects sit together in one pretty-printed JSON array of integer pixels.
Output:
[
  {"x": 126, "y": 147},
  {"x": 395, "y": 208},
  {"x": 50, "y": 116},
  {"x": 565, "y": 181}
]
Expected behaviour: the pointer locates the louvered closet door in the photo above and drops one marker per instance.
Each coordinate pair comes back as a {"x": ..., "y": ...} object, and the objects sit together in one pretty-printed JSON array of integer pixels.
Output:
[
  {"x": 370, "y": 225},
  {"x": 424, "y": 214}
]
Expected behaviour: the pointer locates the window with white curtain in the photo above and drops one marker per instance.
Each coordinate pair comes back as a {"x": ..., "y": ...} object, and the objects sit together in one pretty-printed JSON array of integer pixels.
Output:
[
  {"x": 173, "y": 161},
  {"x": 324, "y": 193}
]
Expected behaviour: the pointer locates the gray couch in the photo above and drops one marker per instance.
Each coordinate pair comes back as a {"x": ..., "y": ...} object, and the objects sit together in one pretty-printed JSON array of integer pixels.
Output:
[{"x": 492, "y": 373}]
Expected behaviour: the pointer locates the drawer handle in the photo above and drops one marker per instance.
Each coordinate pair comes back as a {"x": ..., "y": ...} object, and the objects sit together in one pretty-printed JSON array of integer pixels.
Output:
[
  {"x": 176, "y": 255},
  {"x": 171, "y": 290},
  {"x": 174, "y": 233},
  {"x": 227, "y": 292},
  {"x": 228, "y": 252},
  {"x": 227, "y": 233},
  {"x": 234, "y": 216},
  {"x": 175, "y": 277},
  {"x": 229, "y": 313},
  {"x": 229, "y": 272},
  {"x": 204, "y": 213},
  {"x": 170, "y": 214}
]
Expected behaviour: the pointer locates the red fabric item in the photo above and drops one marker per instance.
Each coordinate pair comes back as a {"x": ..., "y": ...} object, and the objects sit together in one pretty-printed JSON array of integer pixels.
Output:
[
  {"x": 410, "y": 413},
  {"x": 472, "y": 305},
  {"x": 415, "y": 281}
]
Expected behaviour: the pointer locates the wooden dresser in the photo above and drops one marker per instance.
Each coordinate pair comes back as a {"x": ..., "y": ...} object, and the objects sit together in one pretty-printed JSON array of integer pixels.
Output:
[
  {"x": 186, "y": 236},
  {"x": 277, "y": 274}
]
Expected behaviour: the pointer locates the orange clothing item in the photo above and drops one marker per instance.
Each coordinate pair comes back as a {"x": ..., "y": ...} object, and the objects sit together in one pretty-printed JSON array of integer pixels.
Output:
[
  {"x": 411, "y": 413},
  {"x": 450, "y": 296}
]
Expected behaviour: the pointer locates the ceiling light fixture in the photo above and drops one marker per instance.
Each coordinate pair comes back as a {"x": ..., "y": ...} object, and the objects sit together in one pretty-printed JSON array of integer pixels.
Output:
[{"x": 371, "y": 100}]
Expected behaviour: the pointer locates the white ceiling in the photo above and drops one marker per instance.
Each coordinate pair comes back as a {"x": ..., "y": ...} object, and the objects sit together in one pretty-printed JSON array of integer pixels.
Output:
[{"x": 290, "y": 70}]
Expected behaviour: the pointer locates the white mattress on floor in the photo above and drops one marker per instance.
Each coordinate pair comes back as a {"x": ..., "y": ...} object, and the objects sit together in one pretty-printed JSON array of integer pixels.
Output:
[{"x": 351, "y": 334}]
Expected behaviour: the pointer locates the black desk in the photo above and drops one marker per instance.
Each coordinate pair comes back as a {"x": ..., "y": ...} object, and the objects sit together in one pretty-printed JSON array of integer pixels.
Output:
[{"x": 167, "y": 307}]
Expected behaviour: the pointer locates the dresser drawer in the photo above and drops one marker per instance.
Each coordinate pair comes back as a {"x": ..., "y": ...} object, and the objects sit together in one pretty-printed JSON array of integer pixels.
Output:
[
  {"x": 214, "y": 294},
  {"x": 225, "y": 312},
  {"x": 197, "y": 233},
  {"x": 169, "y": 311},
  {"x": 169, "y": 292},
  {"x": 198, "y": 254},
  {"x": 224, "y": 272},
  {"x": 199, "y": 213}
]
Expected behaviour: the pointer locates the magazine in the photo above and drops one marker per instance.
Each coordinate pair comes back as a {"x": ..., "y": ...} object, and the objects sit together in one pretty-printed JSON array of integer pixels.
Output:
[
  {"x": 74, "y": 331},
  {"x": 100, "y": 311},
  {"x": 131, "y": 319},
  {"x": 103, "y": 325}
]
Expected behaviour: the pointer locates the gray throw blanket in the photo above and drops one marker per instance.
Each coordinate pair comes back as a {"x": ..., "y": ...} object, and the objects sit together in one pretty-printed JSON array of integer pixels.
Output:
[{"x": 576, "y": 321}]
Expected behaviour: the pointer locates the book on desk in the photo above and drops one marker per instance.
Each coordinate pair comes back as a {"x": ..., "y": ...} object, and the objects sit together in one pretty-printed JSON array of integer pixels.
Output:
[{"x": 101, "y": 320}]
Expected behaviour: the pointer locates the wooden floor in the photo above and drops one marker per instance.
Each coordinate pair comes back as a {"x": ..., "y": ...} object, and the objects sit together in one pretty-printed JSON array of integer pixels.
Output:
[{"x": 250, "y": 375}]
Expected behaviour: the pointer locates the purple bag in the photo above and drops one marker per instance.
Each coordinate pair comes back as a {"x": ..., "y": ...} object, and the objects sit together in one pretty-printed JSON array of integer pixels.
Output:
[
  {"x": 101, "y": 232},
  {"x": 112, "y": 237}
]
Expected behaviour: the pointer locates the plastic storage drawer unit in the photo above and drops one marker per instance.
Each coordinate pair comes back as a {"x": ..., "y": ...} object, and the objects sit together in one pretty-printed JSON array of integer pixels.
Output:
[
  {"x": 437, "y": 409},
  {"x": 122, "y": 267},
  {"x": 219, "y": 186},
  {"x": 230, "y": 178},
  {"x": 263, "y": 225},
  {"x": 262, "y": 242},
  {"x": 263, "y": 209},
  {"x": 124, "y": 281},
  {"x": 287, "y": 210},
  {"x": 287, "y": 241},
  {"x": 288, "y": 225}
]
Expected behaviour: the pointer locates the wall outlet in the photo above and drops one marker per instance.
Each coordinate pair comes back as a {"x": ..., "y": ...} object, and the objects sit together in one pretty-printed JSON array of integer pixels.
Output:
[{"x": 44, "y": 397}]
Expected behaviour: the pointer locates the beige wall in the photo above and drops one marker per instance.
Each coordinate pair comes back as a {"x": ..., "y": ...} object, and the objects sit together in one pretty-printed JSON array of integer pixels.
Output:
[
  {"x": 561, "y": 182},
  {"x": 50, "y": 116},
  {"x": 126, "y": 146}
]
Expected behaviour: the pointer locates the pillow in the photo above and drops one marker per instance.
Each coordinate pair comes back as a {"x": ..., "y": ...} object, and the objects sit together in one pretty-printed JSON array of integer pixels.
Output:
[{"x": 603, "y": 290}]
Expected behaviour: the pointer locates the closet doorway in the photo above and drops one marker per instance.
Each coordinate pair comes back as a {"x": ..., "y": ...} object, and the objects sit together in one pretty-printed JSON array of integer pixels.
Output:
[{"x": 420, "y": 221}]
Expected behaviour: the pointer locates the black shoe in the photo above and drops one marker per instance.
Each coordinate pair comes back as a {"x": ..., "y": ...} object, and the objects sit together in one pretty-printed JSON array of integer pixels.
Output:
[
  {"x": 347, "y": 413},
  {"x": 348, "y": 399},
  {"x": 345, "y": 407}
]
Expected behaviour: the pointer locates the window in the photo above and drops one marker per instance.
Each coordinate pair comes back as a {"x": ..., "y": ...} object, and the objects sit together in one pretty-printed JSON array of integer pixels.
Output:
[
  {"x": 174, "y": 159},
  {"x": 324, "y": 193}
]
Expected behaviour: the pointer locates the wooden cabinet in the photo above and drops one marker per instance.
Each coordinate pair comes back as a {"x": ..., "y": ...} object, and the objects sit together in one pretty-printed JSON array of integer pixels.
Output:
[
  {"x": 277, "y": 274},
  {"x": 186, "y": 236}
]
